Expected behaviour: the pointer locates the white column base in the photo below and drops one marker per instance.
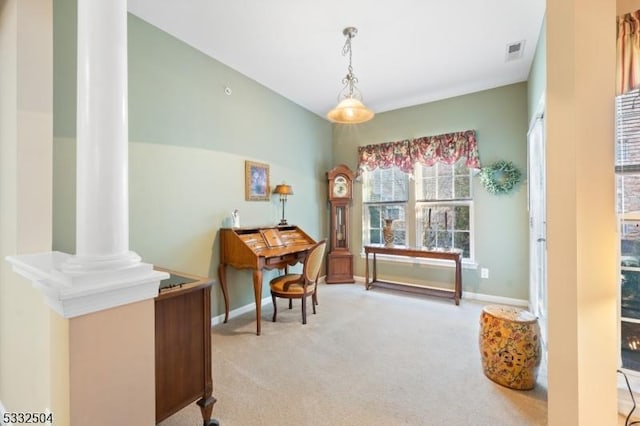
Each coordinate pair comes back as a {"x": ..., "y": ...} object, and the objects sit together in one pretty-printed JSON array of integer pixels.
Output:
[
  {"x": 74, "y": 293},
  {"x": 93, "y": 264}
]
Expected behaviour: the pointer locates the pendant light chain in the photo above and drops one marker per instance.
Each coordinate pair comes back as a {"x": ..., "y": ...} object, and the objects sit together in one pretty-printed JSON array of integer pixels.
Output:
[
  {"x": 350, "y": 109},
  {"x": 350, "y": 78}
]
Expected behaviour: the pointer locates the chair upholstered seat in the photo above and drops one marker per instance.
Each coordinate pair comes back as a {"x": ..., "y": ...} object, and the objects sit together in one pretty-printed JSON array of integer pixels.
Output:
[
  {"x": 279, "y": 284},
  {"x": 299, "y": 286}
]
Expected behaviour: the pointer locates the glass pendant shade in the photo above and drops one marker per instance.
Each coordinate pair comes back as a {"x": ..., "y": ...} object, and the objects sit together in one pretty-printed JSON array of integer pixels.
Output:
[{"x": 350, "y": 111}]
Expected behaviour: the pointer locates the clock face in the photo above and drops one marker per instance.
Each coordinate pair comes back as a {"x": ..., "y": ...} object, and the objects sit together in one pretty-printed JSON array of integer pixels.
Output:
[{"x": 340, "y": 188}]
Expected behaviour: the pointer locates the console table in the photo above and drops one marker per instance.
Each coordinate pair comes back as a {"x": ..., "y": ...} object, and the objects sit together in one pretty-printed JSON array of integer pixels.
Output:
[{"x": 452, "y": 255}]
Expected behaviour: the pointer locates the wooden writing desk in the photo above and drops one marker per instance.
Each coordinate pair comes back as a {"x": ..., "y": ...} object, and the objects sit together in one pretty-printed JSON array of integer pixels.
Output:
[
  {"x": 183, "y": 345},
  {"x": 453, "y": 255},
  {"x": 258, "y": 248}
]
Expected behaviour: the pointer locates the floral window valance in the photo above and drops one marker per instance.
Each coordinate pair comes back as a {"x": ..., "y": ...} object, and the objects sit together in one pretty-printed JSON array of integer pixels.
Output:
[
  {"x": 384, "y": 156},
  {"x": 427, "y": 150}
]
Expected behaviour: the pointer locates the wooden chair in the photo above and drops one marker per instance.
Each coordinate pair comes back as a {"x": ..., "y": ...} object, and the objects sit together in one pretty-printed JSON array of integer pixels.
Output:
[{"x": 299, "y": 286}]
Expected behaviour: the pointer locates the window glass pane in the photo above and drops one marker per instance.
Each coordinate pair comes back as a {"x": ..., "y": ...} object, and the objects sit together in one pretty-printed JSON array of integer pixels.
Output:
[
  {"x": 461, "y": 168},
  {"x": 443, "y": 181},
  {"x": 431, "y": 220},
  {"x": 375, "y": 237},
  {"x": 444, "y": 169},
  {"x": 630, "y": 294},
  {"x": 630, "y": 278},
  {"x": 428, "y": 189},
  {"x": 378, "y": 213},
  {"x": 462, "y": 241},
  {"x": 628, "y": 188},
  {"x": 462, "y": 187},
  {"x": 383, "y": 185},
  {"x": 461, "y": 217},
  {"x": 630, "y": 345},
  {"x": 445, "y": 187}
]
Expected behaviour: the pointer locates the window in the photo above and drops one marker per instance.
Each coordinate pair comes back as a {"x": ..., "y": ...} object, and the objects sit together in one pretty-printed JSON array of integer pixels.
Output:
[
  {"x": 443, "y": 206},
  {"x": 439, "y": 201},
  {"x": 385, "y": 195},
  {"x": 627, "y": 169}
]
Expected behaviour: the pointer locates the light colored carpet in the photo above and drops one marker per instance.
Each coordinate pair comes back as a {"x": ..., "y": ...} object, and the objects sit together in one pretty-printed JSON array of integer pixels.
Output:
[{"x": 368, "y": 357}]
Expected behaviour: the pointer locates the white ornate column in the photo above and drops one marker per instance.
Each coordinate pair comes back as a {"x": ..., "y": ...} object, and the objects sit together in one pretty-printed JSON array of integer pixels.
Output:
[{"x": 103, "y": 273}]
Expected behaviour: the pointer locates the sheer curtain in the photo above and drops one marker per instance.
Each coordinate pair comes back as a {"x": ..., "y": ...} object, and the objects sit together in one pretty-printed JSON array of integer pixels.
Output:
[{"x": 628, "y": 52}]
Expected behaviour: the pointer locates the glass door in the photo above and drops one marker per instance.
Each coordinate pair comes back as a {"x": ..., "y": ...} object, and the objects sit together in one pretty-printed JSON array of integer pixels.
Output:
[{"x": 538, "y": 226}]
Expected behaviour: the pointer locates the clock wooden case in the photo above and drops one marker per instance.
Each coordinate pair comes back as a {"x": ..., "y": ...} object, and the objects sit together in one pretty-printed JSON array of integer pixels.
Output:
[{"x": 339, "y": 258}]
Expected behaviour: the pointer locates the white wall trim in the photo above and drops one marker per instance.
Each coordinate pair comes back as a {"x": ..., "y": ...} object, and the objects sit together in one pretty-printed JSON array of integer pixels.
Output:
[
  {"x": 2, "y": 411},
  {"x": 494, "y": 299},
  {"x": 250, "y": 307},
  {"x": 72, "y": 294}
]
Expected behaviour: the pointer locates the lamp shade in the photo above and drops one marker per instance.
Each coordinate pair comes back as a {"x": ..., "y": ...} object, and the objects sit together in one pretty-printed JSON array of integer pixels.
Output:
[
  {"x": 283, "y": 189},
  {"x": 350, "y": 111}
]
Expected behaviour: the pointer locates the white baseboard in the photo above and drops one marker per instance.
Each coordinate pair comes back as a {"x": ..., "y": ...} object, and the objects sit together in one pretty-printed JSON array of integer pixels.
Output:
[
  {"x": 494, "y": 299},
  {"x": 250, "y": 307}
]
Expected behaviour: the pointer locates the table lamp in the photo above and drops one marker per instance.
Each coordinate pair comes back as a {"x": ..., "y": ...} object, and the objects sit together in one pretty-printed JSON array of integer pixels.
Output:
[{"x": 284, "y": 191}]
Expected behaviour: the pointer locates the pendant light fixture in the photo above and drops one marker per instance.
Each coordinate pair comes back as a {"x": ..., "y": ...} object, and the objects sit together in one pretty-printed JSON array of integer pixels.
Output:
[{"x": 350, "y": 109}]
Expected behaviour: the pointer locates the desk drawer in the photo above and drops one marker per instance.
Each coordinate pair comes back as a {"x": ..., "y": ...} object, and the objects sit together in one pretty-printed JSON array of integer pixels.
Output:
[{"x": 284, "y": 259}]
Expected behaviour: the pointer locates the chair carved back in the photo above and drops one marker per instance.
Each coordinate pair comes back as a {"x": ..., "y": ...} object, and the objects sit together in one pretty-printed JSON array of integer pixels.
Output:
[{"x": 313, "y": 262}]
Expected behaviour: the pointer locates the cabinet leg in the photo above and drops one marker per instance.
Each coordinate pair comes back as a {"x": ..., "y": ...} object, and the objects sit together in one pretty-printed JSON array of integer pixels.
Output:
[{"x": 206, "y": 407}]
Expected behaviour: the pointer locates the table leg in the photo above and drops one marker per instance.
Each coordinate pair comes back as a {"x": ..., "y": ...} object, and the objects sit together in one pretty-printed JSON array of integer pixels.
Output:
[
  {"x": 366, "y": 271},
  {"x": 222, "y": 276},
  {"x": 458, "y": 284},
  {"x": 375, "y": 271},
  {"x": 257, "y": 291}
]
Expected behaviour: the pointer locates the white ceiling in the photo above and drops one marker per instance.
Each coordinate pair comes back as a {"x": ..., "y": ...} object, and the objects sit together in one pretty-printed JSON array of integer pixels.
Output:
[{"x": 407, "y": 52}]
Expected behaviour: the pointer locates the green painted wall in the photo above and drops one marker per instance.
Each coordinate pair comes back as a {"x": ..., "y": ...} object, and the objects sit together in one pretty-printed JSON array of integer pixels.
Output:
[
  {"x": 499, "y": 117},
  {"x": 537, "y": 81},
  {"x": 188, "y": 145},
  {"x": 189, "y": 141}
]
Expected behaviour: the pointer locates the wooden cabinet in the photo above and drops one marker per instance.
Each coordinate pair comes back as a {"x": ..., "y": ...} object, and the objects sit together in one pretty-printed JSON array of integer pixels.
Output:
[{"x": 183, "y": 345}]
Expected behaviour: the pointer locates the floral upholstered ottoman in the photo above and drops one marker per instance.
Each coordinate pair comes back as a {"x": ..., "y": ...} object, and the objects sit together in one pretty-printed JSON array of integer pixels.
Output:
[{"x": 510, "y": 346}]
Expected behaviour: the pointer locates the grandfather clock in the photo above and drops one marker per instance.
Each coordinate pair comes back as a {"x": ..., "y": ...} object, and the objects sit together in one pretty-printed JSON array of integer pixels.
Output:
[{"x": 339, "y": 258}]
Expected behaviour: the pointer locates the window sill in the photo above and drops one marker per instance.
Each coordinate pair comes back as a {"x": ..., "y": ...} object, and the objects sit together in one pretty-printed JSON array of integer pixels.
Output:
[{"x": 466, "y": 263}]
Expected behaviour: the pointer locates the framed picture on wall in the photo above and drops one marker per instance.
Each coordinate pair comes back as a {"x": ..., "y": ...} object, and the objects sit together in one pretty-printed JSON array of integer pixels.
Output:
[{"x": 256, "y": 181}]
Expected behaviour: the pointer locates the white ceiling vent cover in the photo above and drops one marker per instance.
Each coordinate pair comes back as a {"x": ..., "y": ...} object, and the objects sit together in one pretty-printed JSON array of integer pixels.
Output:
[{"x": 514, "y": 50}]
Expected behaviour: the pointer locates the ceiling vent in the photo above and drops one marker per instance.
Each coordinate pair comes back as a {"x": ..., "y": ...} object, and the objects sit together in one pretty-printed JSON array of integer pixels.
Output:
[{"x": 514, "y": 50}]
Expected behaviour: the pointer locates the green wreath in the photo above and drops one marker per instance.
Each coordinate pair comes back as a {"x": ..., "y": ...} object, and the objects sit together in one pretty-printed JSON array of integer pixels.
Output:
[{"x": 500, "y": 177}]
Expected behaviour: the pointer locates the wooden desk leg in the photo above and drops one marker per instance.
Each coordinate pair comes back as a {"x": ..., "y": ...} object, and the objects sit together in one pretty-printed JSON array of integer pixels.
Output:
[
  {"x": 222, "y": 276},
  {"x": 366, "y": 271},
  {"x": 257, "y": 291}
]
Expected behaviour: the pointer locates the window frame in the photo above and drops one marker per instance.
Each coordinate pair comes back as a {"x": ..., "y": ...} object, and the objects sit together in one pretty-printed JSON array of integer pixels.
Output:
[
  {"x": 627, "y": 166},
  {"x": 413, "y": 229}
]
